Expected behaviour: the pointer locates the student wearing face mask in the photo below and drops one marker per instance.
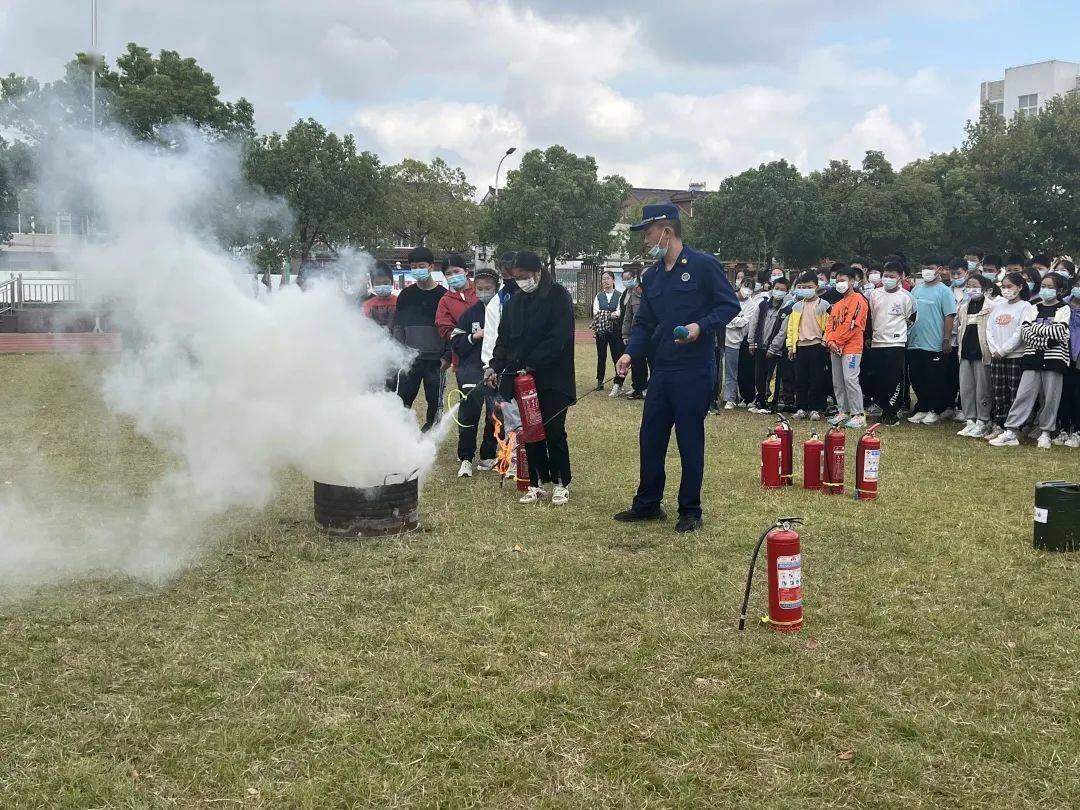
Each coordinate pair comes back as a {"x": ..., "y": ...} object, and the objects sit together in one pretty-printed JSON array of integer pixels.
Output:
[
  {"x": 958, "y": 274},
  {"x": 1003, "y": 338},
  {"x": 460, "y": 296},
  {"x": 892, "y": 309},
  {"x": 1064, "y": 267},
  {"x": 739, "y": 386},
  {"x": 830, "y": 294},
  {"x": 1040, "y": 263},
  {"x": 1045, "y": 334},
  {"x": 991, "y": 270},
  {"x": 466, "y": 340},
  {"x": 1069, "y": 411},
  {"x": 630, "y": 304},
  {"x": 806, "y": 348},
  {"x": 767, "y": 332},
  {"x": 414, "y": 325},
  {"x": 974, "y": 354},
  {"x": 382, "y": 304},
  {"x": 929, "y": 341},
  {"x": 493, "y": 312},
  {"x": 607, "y": 332},
  {"x": 844, "y": 338},
  {"x": 973, "y": 260},
  {"x": 536, "y": 334}
]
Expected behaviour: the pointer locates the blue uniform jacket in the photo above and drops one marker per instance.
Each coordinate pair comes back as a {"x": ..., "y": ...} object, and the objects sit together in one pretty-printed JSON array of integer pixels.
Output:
[{"x": 695, "y": 290}]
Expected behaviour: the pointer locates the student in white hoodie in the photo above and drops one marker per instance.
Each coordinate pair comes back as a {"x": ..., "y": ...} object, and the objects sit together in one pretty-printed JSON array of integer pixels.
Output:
[
  {"x": 1006, "y": 348},
  {"x": 974, "y": 354},
  {"x": 734, "y": 336}
]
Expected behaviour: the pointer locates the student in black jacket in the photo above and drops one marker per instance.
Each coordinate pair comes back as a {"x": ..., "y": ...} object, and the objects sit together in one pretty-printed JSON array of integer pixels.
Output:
[
  {"x": 414, "y": 325},
  {"x": 466, "y": 341},
  {"x": 536, "y": 334}
]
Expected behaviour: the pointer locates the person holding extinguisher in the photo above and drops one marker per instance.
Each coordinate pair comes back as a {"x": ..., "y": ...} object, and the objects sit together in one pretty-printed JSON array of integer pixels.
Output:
[
  {"x": 536, "y": 334},
  {"x": 686, "y": 301}
]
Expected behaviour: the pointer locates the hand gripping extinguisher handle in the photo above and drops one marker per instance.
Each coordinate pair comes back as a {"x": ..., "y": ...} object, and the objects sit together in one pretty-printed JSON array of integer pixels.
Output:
[{"x": 781, "y": 523}]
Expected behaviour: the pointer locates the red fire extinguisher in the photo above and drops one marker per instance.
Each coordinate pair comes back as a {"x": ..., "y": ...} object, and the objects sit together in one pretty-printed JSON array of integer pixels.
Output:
[
  {"x": 813, "y": 462},
  {"x": 783, "y": 432},
  {"x": 532, "y": 421},
  {"x": 783, "y": 551},
  {"x": 521, "y": 462},
  {"x": 867, "y": 464},
  {"x": 833, "y": 479},
  {"x": 772, "y": 450}
]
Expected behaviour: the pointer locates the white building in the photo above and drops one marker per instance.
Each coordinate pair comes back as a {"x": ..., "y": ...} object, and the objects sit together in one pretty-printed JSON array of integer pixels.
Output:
[{"x": 1027, "y": 88}]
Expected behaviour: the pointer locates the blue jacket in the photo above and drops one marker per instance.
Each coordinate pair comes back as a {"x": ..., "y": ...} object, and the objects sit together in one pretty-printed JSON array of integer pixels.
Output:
[{"x": 695, "y": 290}]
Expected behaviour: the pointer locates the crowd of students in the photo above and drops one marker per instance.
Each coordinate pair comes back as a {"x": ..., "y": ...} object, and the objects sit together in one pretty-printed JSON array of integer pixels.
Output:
[
  {"x": 993, "y": 344},
  {"x": 481, "y": 326}
]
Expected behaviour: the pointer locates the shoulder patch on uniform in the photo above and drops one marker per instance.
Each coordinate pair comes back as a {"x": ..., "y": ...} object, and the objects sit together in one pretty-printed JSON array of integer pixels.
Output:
[
  {"x": 685, "y": 276},
  {"x": 683, "y": 261}
]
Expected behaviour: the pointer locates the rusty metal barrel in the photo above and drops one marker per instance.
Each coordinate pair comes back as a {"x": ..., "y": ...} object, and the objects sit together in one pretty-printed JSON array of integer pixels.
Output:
[{"x": 379, "y": 511}]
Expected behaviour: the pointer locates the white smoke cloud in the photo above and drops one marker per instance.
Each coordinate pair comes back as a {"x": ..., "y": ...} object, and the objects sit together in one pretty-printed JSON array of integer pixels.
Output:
[{"x": 232, "y": 387}]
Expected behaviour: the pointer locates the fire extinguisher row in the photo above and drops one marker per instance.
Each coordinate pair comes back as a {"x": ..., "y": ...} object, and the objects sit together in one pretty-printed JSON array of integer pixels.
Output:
[{"x": 823, "y": 461}]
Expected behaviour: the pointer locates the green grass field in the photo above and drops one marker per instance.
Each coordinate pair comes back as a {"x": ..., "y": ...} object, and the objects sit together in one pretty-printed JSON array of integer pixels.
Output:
[{"x": 513, "y": 657}]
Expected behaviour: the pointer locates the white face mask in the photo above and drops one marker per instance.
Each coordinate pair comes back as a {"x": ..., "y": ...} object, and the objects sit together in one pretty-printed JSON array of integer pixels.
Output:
[
  {"x": 528, "y": 285},
  {"x": 842, "y": 286},
  {"x": 928, "y": 274},
  {"x": 875, "y": 278},
  {"x": 891, "y": 283},
  {"x": 1010, "y": 293}
]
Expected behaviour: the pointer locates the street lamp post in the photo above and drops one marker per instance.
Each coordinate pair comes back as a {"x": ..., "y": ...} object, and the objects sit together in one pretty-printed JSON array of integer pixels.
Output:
[
  {"x": 509, "y": 152},
  {"x": 93, "y": 70}
]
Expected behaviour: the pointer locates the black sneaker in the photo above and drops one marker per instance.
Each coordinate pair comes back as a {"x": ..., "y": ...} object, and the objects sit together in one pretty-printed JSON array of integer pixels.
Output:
[
  {"x": 630, "y": 516},
  {"x": 636, "y": 395},
  {"x": 688, "y": 523},
  {"x": 599, "y": 386},
  {"x": 891, "y": 421}
]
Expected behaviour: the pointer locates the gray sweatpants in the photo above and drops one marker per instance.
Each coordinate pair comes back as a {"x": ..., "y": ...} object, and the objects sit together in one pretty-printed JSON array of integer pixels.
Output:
[
  {"x": 1033, "y": 386},
  {"x": 845, "y": 381},
  {"x": 975, "y": 393}
]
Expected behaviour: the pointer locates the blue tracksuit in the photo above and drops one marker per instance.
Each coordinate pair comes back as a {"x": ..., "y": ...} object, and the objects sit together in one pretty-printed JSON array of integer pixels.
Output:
[{"x": 695, "y": 290}]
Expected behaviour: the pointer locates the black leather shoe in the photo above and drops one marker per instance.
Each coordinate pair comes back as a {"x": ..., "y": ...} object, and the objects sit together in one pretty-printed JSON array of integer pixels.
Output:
[
  {"x": 689, "y": 524},
  {"x": 630, "y": 516}
]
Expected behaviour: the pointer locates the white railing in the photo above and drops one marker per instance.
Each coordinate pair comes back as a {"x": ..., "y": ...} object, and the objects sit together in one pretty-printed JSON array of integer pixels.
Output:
[{"x": 18, "y": 293}]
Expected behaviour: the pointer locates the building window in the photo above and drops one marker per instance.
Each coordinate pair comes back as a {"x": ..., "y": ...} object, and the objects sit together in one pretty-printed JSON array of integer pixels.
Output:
[
  {"x": 1028, "y": 105},
  {"x": 998, "y": 107}
]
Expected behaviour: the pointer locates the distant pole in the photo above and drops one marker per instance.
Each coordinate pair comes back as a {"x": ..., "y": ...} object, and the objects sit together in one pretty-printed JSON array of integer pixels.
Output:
[
  {"x": 93, "y": 68},
  {"x": 509, "y": 152}
]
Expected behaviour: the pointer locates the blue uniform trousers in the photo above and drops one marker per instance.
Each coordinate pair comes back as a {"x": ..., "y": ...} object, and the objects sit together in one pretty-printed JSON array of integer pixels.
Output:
[{"x": 679, "y": 398}]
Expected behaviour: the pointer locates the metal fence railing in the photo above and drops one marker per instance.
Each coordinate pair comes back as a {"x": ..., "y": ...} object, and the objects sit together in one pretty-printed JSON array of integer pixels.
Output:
[{"x": 19, "y": 293}]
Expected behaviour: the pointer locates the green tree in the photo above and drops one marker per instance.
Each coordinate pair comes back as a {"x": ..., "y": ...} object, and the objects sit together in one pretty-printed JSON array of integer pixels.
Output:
[
  {"x": 752, "y": 211},
  {"x": 555, "y": 204},
  {"x": 431, "y": 204},
  {"x": 336, "y": 193}
]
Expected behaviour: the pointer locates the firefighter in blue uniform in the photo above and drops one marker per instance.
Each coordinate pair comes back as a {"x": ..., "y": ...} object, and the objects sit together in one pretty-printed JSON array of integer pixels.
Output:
[{"x": 684, "y": 288}]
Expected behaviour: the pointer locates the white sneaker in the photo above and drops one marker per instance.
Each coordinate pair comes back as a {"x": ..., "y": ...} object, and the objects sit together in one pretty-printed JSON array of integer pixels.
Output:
[
  {"x": 1006, "y": 439},
  {"x": 616, "y": 391},
  {"x": 917, "y": 418},
  {"x": 980, "y": 431},
  {"x": 799, "y": 414},
  {"x": 729, "y": 406},
  {"x": 966, "y": 430},
  {"x": 1060, "y": 439},
  {"x": 534, "y": 495},
  {"x": 561, "y": 496},
  {"x": 465, "y": 470},
  {"x": 839, "y": 419},
  {"x": 1074, "y": 440},
  {"x": 931, "y": 419},
  {"x": 486, "y": 464},
  {"x": 1044, "y": 441},
  {"x": 815, "y": 416}
]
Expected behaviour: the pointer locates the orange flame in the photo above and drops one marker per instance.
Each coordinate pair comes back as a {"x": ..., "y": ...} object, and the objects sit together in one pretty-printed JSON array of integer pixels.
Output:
[{"x": 504, "y": 456}]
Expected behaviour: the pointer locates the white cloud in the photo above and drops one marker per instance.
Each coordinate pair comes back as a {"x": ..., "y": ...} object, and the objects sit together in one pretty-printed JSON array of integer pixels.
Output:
[{"x": 665, "y": 95}]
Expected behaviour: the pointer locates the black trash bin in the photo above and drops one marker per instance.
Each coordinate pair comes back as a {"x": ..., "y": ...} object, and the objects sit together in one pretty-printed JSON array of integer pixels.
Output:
[
  {"x": 1057, "y": 516},
  {"x": 392, "y": 508}
]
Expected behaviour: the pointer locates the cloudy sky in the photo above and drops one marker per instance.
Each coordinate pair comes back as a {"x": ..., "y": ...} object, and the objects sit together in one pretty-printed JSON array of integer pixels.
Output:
[{"x": 663, "y": 93}]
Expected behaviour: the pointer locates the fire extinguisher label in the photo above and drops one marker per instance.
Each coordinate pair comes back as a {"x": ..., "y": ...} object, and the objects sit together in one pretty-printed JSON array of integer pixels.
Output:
[
  {"x": 871, "y": 464},
  {"x": 789, "y": 581}
]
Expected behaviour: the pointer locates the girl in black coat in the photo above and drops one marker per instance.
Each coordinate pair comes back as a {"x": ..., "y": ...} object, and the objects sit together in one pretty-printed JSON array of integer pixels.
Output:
[{"x": 536, "y": 334}]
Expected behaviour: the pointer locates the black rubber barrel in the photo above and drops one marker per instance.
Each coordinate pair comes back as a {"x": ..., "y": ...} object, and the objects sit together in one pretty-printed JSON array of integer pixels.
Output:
[
  {"x": 367, "y": 511},
  {"x": 1057, "y": 516}
]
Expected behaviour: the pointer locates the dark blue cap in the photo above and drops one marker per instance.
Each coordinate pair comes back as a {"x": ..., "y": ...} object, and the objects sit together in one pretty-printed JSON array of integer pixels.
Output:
[{"x": 656, "y": 213}]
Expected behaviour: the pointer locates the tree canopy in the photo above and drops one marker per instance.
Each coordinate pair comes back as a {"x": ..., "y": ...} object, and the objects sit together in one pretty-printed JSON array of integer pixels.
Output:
[
  {"x": 431, "y": 204},
  {"x": 555, "y": 204}
]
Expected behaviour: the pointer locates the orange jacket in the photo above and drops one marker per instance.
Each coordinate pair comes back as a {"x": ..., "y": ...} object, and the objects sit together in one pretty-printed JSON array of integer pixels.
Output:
[{"x": 847, "y": 322}]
